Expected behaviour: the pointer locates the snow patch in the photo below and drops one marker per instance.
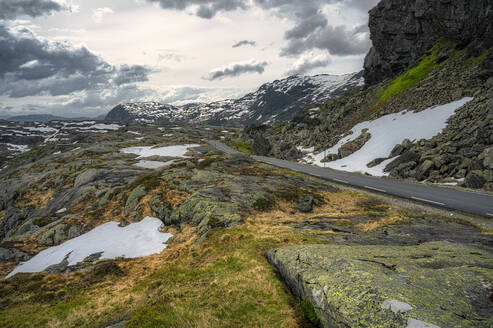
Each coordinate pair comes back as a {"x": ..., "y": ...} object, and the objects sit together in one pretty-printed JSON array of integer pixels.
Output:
[
  {"x": 102, "y": 126},
  {"x": 17, "y": 148},
  {"x": 135, "y": 240},
  {"x": 171, "y": 151},
  {"x": 41, "y": 129},
  {"x": 387, "y": 132}
]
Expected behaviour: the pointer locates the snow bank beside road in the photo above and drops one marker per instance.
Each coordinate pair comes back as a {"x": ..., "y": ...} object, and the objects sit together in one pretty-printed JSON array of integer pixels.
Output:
[{"x": 387, "y": 132}]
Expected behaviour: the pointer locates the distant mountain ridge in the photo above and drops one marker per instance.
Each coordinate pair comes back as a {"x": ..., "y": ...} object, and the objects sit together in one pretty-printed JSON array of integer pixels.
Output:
[
  {"x": 273, "y": 102},
  {"x": 47, "y": 118}
]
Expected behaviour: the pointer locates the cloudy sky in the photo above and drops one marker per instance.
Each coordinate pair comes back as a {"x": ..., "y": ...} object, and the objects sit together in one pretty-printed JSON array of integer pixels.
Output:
[{"x": 83, "y": 57}]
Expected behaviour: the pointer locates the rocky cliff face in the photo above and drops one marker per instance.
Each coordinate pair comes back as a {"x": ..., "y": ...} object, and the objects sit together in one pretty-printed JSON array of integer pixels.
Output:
[{"x": 403, "y": 30}]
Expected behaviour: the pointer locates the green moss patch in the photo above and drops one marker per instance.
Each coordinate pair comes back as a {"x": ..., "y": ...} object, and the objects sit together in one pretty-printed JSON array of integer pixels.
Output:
[
  {"x": 309, "y": 311},
  {"x": 413, "y": 76},
  {"x": 263, "y": 204},
  {"x": 409, "y": 78},
  {"x": 244, "y": 147}
]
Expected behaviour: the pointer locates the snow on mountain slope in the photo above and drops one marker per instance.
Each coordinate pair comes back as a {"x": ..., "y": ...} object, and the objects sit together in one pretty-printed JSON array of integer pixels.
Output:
[
  {"x": 387, "y": 132},
  {"x": 272, "y": 102}
]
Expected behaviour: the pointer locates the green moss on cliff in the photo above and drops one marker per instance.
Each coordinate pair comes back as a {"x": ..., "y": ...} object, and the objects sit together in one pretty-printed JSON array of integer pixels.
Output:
[
  {"x": 243, "y": 147},
  {"x": 409, "y": 78},
  {"x": 412, "y": 77}
]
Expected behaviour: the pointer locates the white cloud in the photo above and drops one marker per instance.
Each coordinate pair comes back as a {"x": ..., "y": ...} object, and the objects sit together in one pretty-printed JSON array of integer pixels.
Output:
[
  {"x": 99, "y": 13},
  {"x": 308, "y": 62}
]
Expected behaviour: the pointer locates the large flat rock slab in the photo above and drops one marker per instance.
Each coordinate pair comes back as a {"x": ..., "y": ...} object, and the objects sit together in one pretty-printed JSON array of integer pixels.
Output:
[{"x": 433, "y": 284}]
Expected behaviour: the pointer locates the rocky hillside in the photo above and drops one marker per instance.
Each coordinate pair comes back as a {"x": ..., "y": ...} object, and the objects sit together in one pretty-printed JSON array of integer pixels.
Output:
[
  {"x": 273, "y": 102},
  {"x": 444, "y": 70},
  {"x": 401, "y": 31}
]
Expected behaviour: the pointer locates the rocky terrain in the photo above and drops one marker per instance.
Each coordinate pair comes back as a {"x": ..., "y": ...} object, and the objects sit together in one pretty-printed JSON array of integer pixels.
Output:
[
  {"x": 449, "y": 71},
  {"x": 225, "y": 212},
  {"x": 272, "y": 102},
  {"x": 19, "y": 137}
]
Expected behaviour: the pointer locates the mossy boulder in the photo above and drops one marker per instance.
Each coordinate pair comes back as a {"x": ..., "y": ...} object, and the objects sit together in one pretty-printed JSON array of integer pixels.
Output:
[
  {"x": 354, "y": 145},
  {"x": 488, "y": 158},
  {"x": 474, "y": 181},
  {"x": 439, "y": 283},
  {"x": 59, "y": 233},
  {"x": 134, "y": 198},
  {"x": 424, "y": 170},
  {"x": 305, "y": 204},
  {"x": 206, "y": 213},
  {"x": 158, "y": 208}
]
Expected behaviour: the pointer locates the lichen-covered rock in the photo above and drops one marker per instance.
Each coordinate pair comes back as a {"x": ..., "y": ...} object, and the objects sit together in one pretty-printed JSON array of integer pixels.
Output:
[
  {"x": 134, "y": 198},
  {"x": 441, "y": 283},
  {"x": 86, "y": 177},
  {"x": 208, "y": 210},
  {"x": 59, "y": 233},
  {"x": 12, "y": 219},
  {"x": 424, "y": 170},
  {"x": 355, "y": 145},
  {"x": 474, "y": 181},
  {"x": 12, "y": 255},
  {"x": 488, "y": 158},
  {"x": 158, "y": 208},
  {"x": 305, "y": 204}
]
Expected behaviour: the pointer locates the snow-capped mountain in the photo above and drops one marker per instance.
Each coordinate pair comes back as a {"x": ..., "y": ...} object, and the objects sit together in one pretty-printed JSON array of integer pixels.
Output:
[{"x": 272, "y": 102}]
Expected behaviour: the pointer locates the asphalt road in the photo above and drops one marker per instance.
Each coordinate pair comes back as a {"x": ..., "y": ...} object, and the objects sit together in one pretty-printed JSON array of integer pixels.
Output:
[{"x": 466, "y": 201}]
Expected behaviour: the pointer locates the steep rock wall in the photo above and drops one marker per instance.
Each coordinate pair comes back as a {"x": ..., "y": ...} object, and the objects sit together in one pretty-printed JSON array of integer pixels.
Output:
[{"x": 403, "y": 30}]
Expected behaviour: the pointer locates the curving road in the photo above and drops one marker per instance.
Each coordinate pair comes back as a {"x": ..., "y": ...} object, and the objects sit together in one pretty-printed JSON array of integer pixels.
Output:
[{"x": 466, "y": 201}]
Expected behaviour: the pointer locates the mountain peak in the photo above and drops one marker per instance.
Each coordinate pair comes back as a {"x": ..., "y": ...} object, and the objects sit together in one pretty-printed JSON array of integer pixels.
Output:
[{"x": 273, "y": 102}]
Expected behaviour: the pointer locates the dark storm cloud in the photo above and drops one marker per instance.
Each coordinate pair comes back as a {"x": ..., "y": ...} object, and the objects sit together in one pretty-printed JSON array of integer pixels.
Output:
[
  {"x": 11, "y": 9},
  {"x": 244, "y": 43},
  {"x": 312, "y": 30},
  {"x": 30, "y": 66},
  {"x": 337, "y": 40},
  {"x": 237, "y": 69},
  {"x": 131, "y": 74},
  {"x": 307, "y": 26},
  {"x": 206, "y": 8}
]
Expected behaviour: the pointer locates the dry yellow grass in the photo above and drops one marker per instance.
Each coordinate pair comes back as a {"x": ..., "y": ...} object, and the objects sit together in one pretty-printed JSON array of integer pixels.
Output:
[
  {"x": 34, "y": 198},
  {"x": 224, "y": 281},
  {"x": 373, "y": 225}
]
